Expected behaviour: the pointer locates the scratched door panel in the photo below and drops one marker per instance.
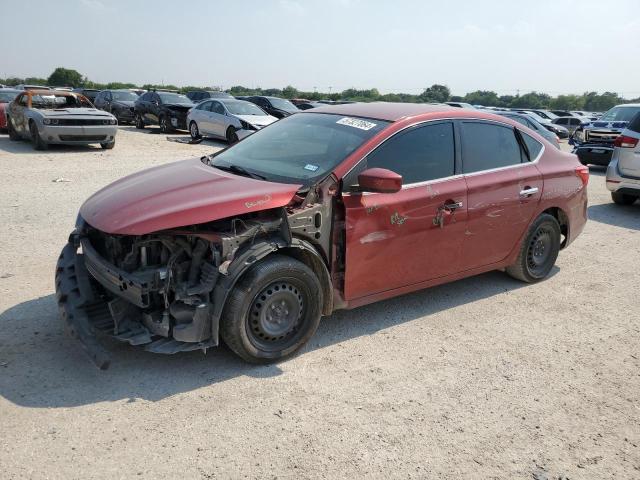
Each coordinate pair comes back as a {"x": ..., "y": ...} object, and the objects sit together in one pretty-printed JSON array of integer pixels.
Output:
[{"x": 393, "y": 241}]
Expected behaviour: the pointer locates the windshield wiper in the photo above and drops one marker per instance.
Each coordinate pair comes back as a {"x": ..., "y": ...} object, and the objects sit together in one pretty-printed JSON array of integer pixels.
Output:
[{"x": 240, "y": 171}]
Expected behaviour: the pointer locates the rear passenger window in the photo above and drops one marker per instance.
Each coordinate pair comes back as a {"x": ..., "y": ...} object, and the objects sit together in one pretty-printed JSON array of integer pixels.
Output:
[
  {"x": 486, "y": 146},
  {"x": 420, "y": 154},
  {"x": 634, "y": 124},
  {"x": 533, "y": 146}
]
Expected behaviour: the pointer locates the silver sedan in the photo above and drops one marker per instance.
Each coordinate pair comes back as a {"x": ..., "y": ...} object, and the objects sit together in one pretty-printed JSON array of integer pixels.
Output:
[{"x": 226, "y": 118}]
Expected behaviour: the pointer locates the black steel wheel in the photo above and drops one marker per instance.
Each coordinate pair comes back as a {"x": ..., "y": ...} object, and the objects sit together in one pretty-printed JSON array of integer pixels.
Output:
[
  {"x": 273, "y": 310},
  {"x": 164, "y": 124},
  {"x": 539, "y": 250}
]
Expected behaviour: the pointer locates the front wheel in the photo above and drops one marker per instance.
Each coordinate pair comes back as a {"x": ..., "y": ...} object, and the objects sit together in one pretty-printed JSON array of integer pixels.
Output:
[
  {"x": 36, "y": 140},
  {"x": 139, "y": 122},
  {"x": 193, "y": 130},
  {"x": 273, "y": 310},
  {"x": 623, "y": 198},
  {"x": 232, "y": 136},
  {"x": 539, "y": 250},
  {"x": 13, "y": 135},
  {"x": 164, "y": 125}
]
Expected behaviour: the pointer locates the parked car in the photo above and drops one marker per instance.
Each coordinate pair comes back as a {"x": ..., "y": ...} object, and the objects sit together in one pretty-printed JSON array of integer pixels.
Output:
[
  {"x": 460, "y": 105},
  {"x": 559, "y": 130},
  {"x": 51, "y": 116},
  {"x": 23, "y": 86},
  {"x": 253, "y": 244},
  {"x": 562, "y": 113},
  {"x": 166, "y": 109},
  {"x": 275, "y": 106},
  {"x": 309, "y": 105},
  {"x": 623, "y": 172},
  {"x": 546, "y": 114},
  {"x": 229, "y": 119},
  {"x": 531, "y": 123},
  {"x": 594, "y": 142},
  {"x": 570, "y": 123},
  {"x": 120, "y": 103},
  {"x": 197, "y": 96},
  {"x": 90, "y": 93},
  {"x": 6, "y": 96}
]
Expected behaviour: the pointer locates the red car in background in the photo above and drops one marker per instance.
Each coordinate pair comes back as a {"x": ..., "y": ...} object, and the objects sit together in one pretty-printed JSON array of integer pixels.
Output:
[
  {"x": 329, "y": 209},
  {"x": 6, "y": 96}
]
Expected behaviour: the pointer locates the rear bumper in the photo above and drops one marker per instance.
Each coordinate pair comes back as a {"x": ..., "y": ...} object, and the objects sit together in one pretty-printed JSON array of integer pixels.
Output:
[
  {"x": 594, "y": 154},
  {"x": 616, "y": 182}
]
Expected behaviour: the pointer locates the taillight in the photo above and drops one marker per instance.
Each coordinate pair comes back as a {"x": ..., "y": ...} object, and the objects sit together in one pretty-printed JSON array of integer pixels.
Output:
[
  {"x": 583, "y": 172},
  {"x": 624, "y": 141}
]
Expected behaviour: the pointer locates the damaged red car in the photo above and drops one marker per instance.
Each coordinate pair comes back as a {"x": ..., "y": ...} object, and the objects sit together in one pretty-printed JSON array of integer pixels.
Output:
[{"x": 329, "y": 209}]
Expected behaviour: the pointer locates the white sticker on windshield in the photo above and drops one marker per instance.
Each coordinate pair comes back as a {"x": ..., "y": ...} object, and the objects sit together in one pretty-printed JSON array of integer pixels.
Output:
[
  {"x": 356, "y": 123},
  {"x": 310, "y": 167}
]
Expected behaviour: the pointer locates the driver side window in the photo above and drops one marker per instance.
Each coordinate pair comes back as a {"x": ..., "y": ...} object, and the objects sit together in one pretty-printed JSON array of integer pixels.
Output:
[{"x": 422, "y": 153}]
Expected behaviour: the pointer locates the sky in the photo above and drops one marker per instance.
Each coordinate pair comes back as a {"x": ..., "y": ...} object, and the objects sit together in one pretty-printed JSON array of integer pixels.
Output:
[{"x": 552, "y": 46}]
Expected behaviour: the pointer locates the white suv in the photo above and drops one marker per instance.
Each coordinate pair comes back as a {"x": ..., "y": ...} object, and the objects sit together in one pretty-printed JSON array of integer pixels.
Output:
[{"x": 623, "y": 173}]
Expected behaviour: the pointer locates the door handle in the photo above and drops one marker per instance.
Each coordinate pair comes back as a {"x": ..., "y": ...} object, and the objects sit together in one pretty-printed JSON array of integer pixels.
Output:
[
  {"x": 452, "y": 206},
  {"x": 528, "y": 191}
]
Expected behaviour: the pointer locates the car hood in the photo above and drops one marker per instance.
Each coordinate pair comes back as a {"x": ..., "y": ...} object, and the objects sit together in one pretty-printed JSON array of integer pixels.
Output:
[
  {"x": 258, "y": 120},
  {"x": 180, "y": 106},
  {"x": 179, "y": 194},
  {"x": 91, "y": 112}
]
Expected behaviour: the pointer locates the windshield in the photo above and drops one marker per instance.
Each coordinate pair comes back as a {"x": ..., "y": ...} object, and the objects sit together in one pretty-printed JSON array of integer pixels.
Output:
[
  {"x": 620, "y": 114},
  {"x": 173, "y": 98},
  {"x": 124, "y": 96},
  {"x": 6, "y": 97},
  {"x": 59, "y": 101},
  {"x": 243, "y": 108},
  {"x": 302, "y": 148},
  {"x": 283, "y": 104}
]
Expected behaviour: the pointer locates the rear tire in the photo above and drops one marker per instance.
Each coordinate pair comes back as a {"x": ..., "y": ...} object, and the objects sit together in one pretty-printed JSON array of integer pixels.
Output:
[
  {"x": 194, "y": 131},
  {"x": 232, "y": 136},
  {"x": 539, "y": 250},
  {"x": 623, "y": 198},
  {"x": 272, "y": 311},
  {"x": 13, "y": 135},
  {"x": 139, "y": 122},
  {"x": 36, "y": 140}
]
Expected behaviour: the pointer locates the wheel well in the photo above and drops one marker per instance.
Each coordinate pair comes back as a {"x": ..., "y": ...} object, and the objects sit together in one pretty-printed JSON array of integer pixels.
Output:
[{"x": 563, "y": 221}]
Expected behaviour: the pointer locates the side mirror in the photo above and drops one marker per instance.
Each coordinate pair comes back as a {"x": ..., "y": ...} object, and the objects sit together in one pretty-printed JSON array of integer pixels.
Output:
[{"x": 379, "y": 180}]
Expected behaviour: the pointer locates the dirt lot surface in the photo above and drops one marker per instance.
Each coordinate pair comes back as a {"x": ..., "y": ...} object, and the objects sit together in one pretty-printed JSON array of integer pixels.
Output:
[{"x": 482, "y": 378}]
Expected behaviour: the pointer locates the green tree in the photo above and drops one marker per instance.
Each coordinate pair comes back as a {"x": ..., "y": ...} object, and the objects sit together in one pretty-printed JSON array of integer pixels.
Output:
[
  {"x": 436, "y": 93},
  {"x": 532, "y": 100},
  {"x": 63, "y": 77},
  {"x": 567, "y": 102},
  {"x": 482, "y": 97},
  {"x": 290, "y": 92}
]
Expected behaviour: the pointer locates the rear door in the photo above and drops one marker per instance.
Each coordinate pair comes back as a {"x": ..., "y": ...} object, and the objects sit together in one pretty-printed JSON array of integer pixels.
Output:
[
  {"x": 201, "y": 115},
  {"x": 629, "y": 154},
  {"x": 218, "y": 119},
  {"x": 504, "y": 189},
  {"x": 397, "y": 239}
]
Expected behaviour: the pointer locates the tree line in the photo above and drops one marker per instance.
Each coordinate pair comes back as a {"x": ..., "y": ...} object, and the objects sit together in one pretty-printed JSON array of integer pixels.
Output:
[{"x": 589, "y": 101}]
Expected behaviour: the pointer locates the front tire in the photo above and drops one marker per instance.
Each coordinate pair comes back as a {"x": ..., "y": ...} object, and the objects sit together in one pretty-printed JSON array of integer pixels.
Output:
[
  {"x": 539, "y": 250},
  {"x": 272, "y": 311},
  {"x": 139, "y": 122},
  {"x": 36, "y": 140},
  {"x": 164, "y": 125},
  {"x": 194, "y": 131},
  {"x": 232, "y": 136},
  {"x": 623, "y": 198},
  {"x": 13, "y": 135}
]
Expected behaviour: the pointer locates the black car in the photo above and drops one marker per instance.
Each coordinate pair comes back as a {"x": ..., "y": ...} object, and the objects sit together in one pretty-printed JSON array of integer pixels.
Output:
[
  {"x": 167, "y": 109},
  {"x": 278, "y": 107},
  {"x": 117, "y": 102},
  {"x": 309, "y": 105},
  {"x": 197, "y": 96},
  {"x": 90, "y": 93}
]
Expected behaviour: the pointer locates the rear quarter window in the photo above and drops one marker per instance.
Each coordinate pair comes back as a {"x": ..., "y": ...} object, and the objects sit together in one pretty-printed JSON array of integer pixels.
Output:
[
  {"x": 635, "y": 124},
  {"x": 533, "y": 146},
  {"x": 486, "y": 146}
]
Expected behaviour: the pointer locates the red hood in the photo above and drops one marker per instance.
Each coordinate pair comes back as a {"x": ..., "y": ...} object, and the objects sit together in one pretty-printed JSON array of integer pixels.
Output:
[{"x": 179, "y": 194}]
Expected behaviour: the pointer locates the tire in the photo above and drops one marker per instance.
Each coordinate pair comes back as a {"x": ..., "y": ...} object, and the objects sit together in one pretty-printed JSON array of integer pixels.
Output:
[
  {"x": 272, "y": 311},
  {"x": 115, "y": 114},
  {"x": 539, "y": 250},
  {"x": 194, "y": 131},
  {"x": 623, "y": 198},
  {"x": 232, "y": 136},
  {"x": 36, "y": 140},
  {"x": 139, "y": 122},
  {"x": 164, "y": 124},
  {"x": 13, "y": 135},
  {"x": 108, "y": 145}
]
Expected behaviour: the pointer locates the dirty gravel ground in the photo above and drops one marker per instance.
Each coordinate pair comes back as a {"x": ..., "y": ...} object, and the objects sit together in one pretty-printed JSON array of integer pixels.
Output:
[{"x": 482, "y": 378}]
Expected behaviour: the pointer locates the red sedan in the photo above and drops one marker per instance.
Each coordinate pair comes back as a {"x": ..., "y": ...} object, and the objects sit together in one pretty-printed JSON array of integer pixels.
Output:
[
  {"x": 329, "y": 209},
  {"x": 6, "y": 96}
]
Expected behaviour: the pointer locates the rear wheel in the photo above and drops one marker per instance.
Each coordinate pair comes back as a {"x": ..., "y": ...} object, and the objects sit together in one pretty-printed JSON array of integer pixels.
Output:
[
  {"x": 232, "y": 136},
  {"x": 13, "y": 135},
  {"x": 193, "y": 130},
  {"x": 36, "y": 140},
  {"x": 539, "y": 250},
  {"x": 623, "y": 198},
  {"x": 273, "y": 310},
  {"x": 139, "y": 121}
]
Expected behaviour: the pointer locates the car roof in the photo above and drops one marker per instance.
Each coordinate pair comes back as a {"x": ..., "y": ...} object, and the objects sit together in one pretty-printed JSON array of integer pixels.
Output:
[
  {"x": 11, "y": 90},
  {"x": 388, "y": 111},
  {"x": 51, "y": 92}
]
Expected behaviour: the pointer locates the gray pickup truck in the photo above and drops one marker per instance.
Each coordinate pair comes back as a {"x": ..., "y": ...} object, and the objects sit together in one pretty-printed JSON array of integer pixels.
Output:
[{"x": 594, "y": 142}]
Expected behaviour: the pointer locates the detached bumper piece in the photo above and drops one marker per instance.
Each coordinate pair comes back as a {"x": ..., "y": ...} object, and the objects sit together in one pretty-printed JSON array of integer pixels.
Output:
[{"x": 97, "y": 299}]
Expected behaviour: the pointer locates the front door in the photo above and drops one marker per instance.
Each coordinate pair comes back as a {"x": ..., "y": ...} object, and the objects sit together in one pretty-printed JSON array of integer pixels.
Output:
[
  {"x": 404, "y": 238},
  {"x": 504, "y": 189}
]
